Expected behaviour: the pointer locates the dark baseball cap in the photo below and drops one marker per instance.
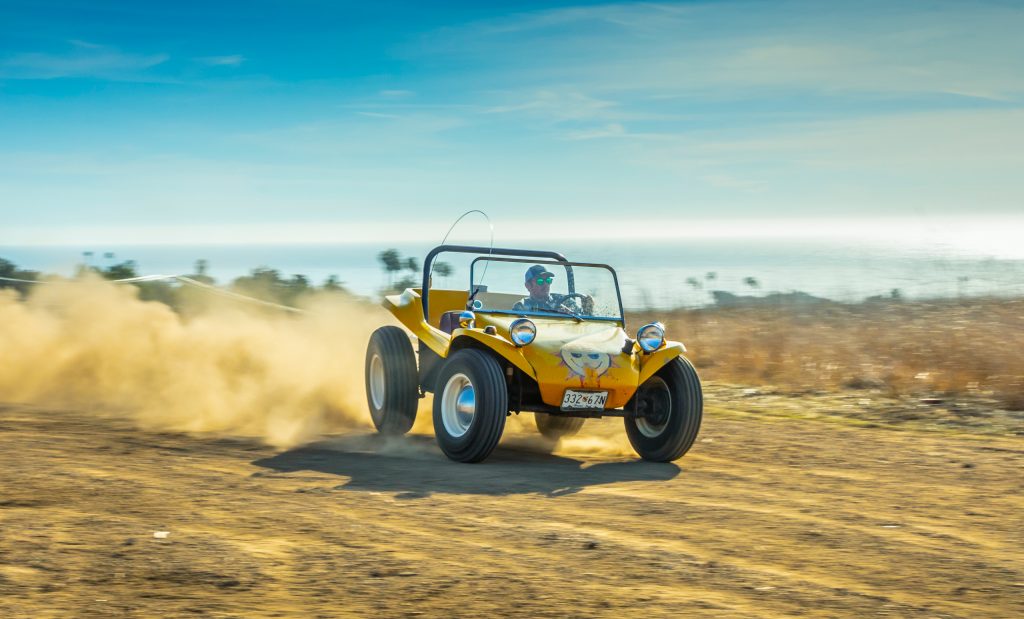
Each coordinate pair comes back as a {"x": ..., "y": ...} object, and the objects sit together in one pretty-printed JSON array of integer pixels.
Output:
[{"x": 536, "y": 271}]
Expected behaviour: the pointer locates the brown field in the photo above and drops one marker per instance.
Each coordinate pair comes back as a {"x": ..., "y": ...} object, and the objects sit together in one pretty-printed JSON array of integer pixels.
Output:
[{"x": 925, "y": 348}]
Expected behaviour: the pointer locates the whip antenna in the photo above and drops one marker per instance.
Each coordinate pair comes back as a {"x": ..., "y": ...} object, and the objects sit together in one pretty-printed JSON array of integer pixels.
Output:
[{"x": 490, "y": 249}]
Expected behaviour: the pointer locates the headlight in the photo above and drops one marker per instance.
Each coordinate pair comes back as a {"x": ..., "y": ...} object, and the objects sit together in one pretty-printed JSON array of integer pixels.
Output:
[
  {"x": 467, "y": 319},
  {"x": 522, "y": 331},
  {"x": 651, "y": 337}
]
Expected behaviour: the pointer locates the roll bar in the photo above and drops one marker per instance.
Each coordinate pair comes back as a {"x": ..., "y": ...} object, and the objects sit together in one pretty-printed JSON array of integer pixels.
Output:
[{"x": 470, "y": 249}]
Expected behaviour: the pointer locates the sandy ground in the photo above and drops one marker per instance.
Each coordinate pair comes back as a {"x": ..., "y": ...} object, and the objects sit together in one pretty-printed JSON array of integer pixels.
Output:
[{"x": 773, "y": 513}]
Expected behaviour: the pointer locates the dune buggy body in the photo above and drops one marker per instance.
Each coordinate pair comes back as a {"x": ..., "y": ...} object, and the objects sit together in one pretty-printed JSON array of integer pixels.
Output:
[{"x": 579, "y": 364}]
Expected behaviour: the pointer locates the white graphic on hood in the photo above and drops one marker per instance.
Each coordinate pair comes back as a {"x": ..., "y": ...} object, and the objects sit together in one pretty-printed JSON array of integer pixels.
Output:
[{"x": 588, "y": 367}]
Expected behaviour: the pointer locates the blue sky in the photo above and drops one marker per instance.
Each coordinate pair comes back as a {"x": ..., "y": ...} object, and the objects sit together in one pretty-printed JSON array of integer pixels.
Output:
[{"x": 266, "y": 121}]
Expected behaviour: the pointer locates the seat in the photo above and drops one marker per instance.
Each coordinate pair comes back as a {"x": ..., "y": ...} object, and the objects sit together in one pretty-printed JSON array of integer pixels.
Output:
[{"x": 449, "y": 321}]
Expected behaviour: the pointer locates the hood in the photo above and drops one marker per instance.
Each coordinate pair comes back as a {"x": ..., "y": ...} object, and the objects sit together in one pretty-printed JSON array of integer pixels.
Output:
[{"x": 583, "y": 355}]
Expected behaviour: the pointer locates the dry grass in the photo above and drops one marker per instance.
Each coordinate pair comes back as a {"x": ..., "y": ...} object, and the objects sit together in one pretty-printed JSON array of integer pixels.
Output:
[{"x": 926, "y": 347}]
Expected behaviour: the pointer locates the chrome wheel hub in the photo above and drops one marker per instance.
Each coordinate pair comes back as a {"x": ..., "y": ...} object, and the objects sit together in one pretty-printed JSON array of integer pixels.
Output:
[
  {"x": 458, "y": 405},
  {"x": 377, "y": 382}
]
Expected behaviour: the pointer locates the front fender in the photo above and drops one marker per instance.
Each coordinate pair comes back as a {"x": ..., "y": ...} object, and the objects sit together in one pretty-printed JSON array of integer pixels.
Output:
[
  {"x": 651, "y": 363},
  {"x": 498, "y": 344}
]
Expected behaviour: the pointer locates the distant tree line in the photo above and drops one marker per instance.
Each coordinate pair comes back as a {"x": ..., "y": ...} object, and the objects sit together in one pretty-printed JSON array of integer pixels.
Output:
[
  {"x": 262, "y": 282},
  {"x": 9, "y": 269},
  {"x": 400, "y": 272}
]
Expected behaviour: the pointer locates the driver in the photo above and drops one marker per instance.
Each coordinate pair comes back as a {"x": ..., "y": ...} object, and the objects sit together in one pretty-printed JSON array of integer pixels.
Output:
[{"x": 538, "y": 283}]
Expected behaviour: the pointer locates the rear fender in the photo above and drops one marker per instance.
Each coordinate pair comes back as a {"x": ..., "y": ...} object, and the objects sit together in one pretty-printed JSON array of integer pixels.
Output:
[{"x": 407, "y": 309}]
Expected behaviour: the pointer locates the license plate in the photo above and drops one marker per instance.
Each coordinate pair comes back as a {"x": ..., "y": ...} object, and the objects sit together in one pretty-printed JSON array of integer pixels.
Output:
[{"x": 584, "y": 400}]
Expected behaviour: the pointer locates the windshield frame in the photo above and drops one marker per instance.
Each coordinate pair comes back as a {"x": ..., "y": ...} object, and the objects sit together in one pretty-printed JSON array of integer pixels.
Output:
[
  {"x": 568, "y": 265},
  {"x": 428, "y": 264}
]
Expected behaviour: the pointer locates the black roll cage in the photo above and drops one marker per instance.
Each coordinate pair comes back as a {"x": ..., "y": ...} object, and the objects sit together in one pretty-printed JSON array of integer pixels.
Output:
[{"x": 504, "y": 251}]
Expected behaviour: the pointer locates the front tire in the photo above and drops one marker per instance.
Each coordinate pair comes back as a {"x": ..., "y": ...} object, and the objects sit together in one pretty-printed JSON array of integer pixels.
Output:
[
  {"x": 666, "y": 413},
  {"x": 392, "y": 384},
  {"x": 470, "y": 405},
  {"x": 555, "y": 427}
]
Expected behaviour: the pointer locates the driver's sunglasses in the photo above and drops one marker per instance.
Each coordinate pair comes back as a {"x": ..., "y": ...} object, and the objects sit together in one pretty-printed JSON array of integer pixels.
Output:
[{"x": 544, "y": 280}]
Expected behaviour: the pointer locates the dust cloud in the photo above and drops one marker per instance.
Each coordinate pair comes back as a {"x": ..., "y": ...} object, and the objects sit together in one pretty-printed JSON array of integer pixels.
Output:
[
  {"x": 221, "y": 367},
  {"x": 225, "y": 368}
]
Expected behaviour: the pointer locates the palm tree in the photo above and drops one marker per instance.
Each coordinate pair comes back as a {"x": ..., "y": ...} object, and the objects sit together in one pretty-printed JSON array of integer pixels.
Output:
[
  {"x": 392, "y": 262},
  {"x": 443, "y": 269}
]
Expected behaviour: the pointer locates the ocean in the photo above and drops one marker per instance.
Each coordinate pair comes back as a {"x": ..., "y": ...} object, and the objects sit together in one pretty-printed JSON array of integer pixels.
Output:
[{"x": 661, "y": 274}]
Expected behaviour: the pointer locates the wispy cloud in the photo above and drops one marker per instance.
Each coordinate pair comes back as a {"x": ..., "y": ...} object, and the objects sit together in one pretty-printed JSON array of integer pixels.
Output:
[
  {"x": 559, "y": 105},
  {"x": 233, "y": 60},
  {"x": 729, "y": 181},
  {"x": 611, "y": 130},
  {"x": 648, "y": 17},
  {"x": 925, "y": 141},
  {"x": 362, "y": 135},
  {"x": 937, "y": 161},
  {"x": 83, "y": 60},
  {"x": 379, "y": 115},
  {"x": 572, "y": 115},
  {"x": 85, "y": 44},
  {"x": 733, "y": 50}
]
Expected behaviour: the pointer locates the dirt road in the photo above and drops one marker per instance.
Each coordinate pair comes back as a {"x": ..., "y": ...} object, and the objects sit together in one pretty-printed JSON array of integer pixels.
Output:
[{"x": 769, "y": 515}]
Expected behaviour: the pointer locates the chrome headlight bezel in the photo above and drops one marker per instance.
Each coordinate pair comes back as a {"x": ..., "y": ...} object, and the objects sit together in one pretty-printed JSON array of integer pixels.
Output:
[
  {"x": 519, "y": 328},
  {"x": 651, "y": 337},
  {"x": 467, "y": 320}
]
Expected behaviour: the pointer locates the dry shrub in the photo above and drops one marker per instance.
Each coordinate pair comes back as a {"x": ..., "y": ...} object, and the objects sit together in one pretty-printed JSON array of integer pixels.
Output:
[{"x": 921, "y": 347}]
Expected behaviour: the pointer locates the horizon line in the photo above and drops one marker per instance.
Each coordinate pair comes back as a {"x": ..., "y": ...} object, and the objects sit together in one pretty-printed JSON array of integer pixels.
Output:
[{"x": 992, "y": 234}]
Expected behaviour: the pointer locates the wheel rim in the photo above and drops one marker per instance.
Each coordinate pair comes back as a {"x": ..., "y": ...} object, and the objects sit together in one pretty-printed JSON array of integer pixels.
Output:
[
  {"x": 377, "y": 381},
  {"x": 654, "y": 408},
  {"x": 458, "y": 405}
]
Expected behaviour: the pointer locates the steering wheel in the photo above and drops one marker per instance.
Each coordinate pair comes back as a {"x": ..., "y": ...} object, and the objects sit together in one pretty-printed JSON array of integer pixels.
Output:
[{"x": 586, "y": 301}]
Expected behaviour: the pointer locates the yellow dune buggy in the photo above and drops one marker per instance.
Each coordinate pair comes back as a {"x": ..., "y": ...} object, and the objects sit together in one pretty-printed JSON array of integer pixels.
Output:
[{"x": 533, "y": 332}]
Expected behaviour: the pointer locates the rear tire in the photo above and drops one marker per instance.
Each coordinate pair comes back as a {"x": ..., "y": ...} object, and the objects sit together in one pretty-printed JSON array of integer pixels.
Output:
[
  {"x": 555, "y": 427},
  {"x": 470, "y": 405},
  {"x": 666, "y": 413},
  {"x": 392, "y": 384}
]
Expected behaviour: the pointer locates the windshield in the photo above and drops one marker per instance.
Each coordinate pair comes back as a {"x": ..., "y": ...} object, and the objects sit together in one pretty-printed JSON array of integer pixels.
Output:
[{"x": 545, "y": 288}]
